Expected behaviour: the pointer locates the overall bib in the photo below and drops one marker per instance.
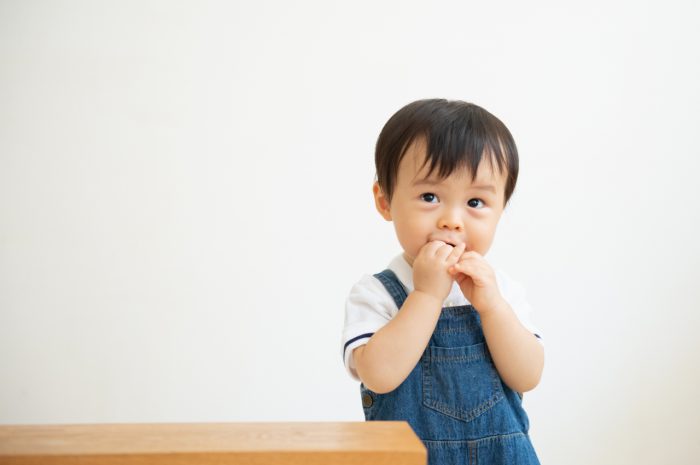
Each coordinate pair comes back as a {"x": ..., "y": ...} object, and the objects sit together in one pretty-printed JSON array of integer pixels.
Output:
[{"x": 454, "y": 398}]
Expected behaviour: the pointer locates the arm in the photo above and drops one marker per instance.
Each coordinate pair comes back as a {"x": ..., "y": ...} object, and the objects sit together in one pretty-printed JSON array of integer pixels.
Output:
[
  {"x": 518, "y": 356},
  {"x": 393, "y": 351},
  {"x": 516, "y": 352}
]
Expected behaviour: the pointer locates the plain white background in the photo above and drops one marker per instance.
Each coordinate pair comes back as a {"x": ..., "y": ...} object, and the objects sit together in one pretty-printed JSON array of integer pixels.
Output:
[{"x": 185, "y": 202}]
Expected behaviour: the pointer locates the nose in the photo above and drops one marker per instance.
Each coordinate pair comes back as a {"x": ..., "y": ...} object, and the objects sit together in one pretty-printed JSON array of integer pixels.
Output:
[{"x": 451, "y": 219}]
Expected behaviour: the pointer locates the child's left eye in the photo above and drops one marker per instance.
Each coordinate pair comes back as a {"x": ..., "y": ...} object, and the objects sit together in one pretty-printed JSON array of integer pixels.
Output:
[
  {"x": 429, "y": 197},
  {"x": 476, "y": 203}
]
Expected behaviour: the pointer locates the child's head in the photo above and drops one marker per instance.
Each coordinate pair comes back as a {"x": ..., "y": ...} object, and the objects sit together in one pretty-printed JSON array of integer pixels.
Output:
[{"x": 445, "y": 171}]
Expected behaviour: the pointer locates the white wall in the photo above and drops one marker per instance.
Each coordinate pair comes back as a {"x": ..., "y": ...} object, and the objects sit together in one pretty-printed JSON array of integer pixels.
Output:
[{"x": 185, "y": 202}]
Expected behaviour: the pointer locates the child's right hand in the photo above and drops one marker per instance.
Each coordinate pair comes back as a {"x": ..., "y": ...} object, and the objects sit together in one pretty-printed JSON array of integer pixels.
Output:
[{"x": 430, "y": 267}]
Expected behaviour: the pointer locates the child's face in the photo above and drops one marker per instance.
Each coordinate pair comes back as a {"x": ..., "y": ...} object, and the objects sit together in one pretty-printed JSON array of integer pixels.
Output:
[{"x": 453, "y": 210}]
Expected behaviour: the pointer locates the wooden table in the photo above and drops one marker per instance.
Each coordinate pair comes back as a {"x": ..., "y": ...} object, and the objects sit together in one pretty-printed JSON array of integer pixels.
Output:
[{"x": 366, "y": 443}]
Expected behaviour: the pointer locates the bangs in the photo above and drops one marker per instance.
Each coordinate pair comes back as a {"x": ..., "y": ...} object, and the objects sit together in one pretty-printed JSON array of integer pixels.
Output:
[
  {"x": 465, "y": 144},
  {"x": 457, "y": 135}
]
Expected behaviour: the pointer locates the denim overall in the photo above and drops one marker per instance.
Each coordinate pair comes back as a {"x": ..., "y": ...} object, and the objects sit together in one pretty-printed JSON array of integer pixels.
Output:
[{"x": 454, "y": 398}]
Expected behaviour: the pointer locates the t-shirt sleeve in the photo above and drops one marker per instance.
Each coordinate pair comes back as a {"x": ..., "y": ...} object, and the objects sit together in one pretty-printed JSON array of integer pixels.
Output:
[
  {"x": 516, "y": 296},
  {"x": 368, "y": 308}
]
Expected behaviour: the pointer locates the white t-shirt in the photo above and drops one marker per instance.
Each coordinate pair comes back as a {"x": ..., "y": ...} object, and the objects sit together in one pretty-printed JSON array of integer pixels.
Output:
[{"x": 369, "y": 307}]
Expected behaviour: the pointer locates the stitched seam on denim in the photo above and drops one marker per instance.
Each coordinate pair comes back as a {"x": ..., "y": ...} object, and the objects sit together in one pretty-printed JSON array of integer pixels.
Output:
[
  {"x": 458, "y": 309},
  {"x": 468, "y": 329},
  {"x": 393, "y": 286},
  {"x": 472, "y": 358},
  {"x": 497, "y": 437},
  {"x": 466, "y": 415},
  {"x": 480, "y": 353},
  {"x": 473, "y": 442},
  {"x": 460, "y": 414},
  {"x": 426, "y": 385},
  {"x": 395, "y": 292}
]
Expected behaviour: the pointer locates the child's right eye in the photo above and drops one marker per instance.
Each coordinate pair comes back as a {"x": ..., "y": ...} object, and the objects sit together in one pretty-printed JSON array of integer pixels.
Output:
[{"x": 429, "y": 197}]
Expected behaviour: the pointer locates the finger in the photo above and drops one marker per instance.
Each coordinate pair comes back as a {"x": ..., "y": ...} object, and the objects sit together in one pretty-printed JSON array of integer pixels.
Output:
[
  {"x": 454, "y": 271},
  {"x": 470, "y": 257},
  {"x": 445, "y": 251},
  {"x": 457, "y": 252},
  {"x": 432, "y": 247},
  {"x": 461, "y": 267},
  {"x": 461, "y": 277},
  {"x": 467, "y": 267},
  {"x": 471, "y": 254}
]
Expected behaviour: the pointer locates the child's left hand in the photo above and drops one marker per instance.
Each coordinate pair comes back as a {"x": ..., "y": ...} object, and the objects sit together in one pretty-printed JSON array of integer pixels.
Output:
[{"x": 477, "y": 281}]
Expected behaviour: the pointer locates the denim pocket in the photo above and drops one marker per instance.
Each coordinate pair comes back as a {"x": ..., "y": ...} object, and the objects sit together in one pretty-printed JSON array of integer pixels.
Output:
[{"x": 461, "y": 382}]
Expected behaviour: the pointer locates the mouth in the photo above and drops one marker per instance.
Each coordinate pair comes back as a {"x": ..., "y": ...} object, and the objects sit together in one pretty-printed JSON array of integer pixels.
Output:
[{"x": 448, "y": 242}]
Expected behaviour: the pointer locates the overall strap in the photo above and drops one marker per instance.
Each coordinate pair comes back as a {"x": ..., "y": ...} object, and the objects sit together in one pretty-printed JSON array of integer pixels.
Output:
[{"x": 393, "y": 286}]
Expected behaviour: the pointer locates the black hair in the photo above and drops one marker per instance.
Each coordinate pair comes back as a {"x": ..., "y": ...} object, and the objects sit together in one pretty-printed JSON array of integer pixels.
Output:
[{"x": 458, "y": 134}]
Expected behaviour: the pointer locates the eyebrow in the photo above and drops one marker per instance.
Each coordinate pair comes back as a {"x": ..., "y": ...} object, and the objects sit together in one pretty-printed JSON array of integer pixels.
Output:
[{"x": 434, "y": 182}]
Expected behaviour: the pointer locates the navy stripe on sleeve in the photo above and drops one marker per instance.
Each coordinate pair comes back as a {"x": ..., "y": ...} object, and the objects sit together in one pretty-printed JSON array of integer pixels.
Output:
[{"x": 353, "y": 340}]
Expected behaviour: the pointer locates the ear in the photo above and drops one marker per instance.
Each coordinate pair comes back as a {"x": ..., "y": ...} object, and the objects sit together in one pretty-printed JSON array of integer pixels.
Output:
[{"x": 381, "y": 202}]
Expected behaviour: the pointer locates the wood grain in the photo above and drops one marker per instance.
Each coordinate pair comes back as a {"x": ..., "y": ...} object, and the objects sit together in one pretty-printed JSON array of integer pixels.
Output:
[{"x": 342, "y": 443}]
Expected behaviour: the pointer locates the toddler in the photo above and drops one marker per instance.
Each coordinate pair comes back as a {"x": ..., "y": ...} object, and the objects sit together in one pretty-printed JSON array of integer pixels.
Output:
[{"x": 440, "y": 339}]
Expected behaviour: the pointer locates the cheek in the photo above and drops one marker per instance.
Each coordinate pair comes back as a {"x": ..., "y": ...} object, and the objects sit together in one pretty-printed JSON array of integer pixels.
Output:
[
  {"x": 412, "y": 234},
  {"x": 414, "y": 225},
  {"x": 482, "y": 235}
]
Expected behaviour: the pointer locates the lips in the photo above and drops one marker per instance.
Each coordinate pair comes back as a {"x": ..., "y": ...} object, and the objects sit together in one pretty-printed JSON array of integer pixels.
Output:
[{"x": 452, "y": 242}]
